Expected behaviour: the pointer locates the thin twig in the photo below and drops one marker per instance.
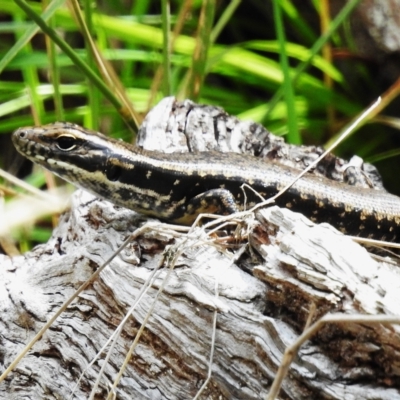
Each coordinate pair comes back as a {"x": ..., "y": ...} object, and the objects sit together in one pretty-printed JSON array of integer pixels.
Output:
[{"x": 293, "y": 349}]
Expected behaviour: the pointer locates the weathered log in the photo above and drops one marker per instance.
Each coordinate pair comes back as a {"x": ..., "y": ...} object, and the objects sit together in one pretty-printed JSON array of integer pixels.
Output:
[{"x": 264, "y": 299}]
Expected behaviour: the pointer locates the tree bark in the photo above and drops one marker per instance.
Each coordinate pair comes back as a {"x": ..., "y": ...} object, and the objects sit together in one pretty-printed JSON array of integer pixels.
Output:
[{"x": 265, "y": 295}]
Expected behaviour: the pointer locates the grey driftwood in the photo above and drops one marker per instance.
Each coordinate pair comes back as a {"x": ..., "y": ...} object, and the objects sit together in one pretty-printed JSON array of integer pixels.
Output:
[{"x": 264, "y": 299}]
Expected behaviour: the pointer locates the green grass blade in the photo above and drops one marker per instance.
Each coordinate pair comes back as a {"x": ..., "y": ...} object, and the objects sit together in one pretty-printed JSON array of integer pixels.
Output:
[
  {"x": 28, "y": 34},
  {"x": 297, "y": 21},
  {"x": 76, "y": 59},
  {"x": 55, "y": 75},
  {"x": 293, "y": 136},
  {"x": 166, "y": 28},
  {"x": 316, "y": 48},
  {"x": 297, "y": 52},
  {"x": 93, "y": 119},
  {"x": 224, "y": 19}
]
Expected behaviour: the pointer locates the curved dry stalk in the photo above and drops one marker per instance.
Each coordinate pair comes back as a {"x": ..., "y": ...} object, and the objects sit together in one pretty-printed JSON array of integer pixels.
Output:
[
  {"x": 292, "y": 350},
  {"x": 19, "y": 182},
  {"x": 126, "y": 110},
  {"x": 114, "y": 337},
  {"x": 47, "y": 325},
  {"x": 357, "y": 122}
]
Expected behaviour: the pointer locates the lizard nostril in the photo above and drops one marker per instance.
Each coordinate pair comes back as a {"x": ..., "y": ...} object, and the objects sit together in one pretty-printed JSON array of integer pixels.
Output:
[{"x": 22, "y": 134}]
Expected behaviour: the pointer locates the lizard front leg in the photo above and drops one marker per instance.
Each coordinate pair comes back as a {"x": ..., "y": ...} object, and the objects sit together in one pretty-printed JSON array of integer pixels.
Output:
[{"x": 214, "y": 201}]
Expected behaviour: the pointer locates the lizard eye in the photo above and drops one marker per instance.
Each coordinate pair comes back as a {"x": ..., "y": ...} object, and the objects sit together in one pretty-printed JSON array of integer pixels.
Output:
[{"x": 66, "y": 142}]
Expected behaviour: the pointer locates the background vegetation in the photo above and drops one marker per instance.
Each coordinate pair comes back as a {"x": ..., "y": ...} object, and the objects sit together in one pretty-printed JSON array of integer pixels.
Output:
[{"x": 293, "y": 66}]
